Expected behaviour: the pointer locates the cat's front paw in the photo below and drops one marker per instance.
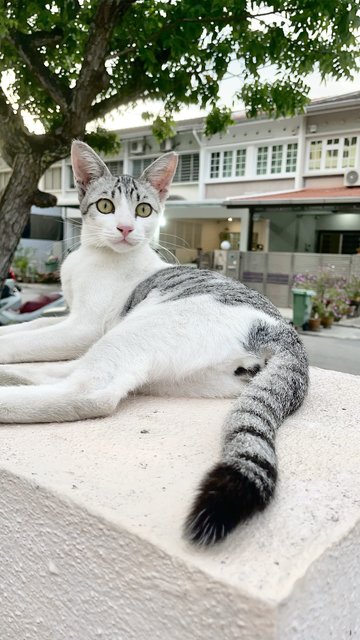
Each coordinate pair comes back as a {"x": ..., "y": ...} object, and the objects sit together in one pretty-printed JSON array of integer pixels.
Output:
[{"x": 225, "y": 498}]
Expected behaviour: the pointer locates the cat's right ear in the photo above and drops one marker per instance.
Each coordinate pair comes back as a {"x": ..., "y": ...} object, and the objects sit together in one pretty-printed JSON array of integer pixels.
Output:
[{"x": 87, "y": 166}]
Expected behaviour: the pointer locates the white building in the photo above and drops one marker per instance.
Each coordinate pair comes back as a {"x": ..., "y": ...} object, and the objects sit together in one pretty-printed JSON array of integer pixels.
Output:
[{"x": 291, "y": 184}]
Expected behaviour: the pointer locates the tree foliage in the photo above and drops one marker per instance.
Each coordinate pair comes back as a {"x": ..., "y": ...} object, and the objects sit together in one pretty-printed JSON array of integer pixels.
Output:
[
  {"x": 176, "y": 51},
  {"x": 73, "y": 61}
]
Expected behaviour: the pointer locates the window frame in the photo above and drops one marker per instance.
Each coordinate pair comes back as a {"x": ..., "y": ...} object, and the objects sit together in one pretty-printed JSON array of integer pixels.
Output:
[
  {"x": 251, "y": 160},
  {"x": 53, "y": 168},
  {"x": 233, "y": 164},
  {"x": 192, "y": 163},
  {"x": 328, "y": 144}
]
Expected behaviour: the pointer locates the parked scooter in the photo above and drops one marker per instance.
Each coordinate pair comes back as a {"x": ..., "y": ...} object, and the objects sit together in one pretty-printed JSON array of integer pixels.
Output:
[{"x": 13, "y": 310}]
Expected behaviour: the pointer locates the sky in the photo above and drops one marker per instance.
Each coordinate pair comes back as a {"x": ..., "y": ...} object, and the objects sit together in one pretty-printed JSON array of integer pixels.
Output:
[
  {"x": 318, "y": 89},
  {"x": 132, "y": 116}
]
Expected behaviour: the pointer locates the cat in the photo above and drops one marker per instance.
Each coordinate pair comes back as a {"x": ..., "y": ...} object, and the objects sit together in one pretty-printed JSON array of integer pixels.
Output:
[{"x": 138, "y": 324}]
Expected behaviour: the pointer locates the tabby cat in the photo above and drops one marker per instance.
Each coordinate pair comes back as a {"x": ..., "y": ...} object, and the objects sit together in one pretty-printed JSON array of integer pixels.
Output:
[{"x": 138, "y": 324}]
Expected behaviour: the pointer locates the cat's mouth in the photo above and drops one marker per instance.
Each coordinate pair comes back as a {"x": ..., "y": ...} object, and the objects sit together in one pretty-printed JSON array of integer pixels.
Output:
[{"x": 123, "y": 242}]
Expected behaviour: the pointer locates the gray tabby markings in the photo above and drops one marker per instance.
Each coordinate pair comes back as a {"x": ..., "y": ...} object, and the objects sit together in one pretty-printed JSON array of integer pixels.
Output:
[
  {"x": 175, "y": 283},
  {"x": 274, "y": 393}
]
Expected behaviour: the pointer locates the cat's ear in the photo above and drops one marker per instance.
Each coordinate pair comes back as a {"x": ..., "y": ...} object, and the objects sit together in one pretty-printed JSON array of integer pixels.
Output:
[
  {"x": 87, "y": 166},
  {"x": 160, "y": 173}
]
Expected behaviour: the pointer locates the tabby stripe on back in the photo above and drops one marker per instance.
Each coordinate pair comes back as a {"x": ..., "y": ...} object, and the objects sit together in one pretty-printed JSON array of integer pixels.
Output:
[{"x": 175, "y": 283}]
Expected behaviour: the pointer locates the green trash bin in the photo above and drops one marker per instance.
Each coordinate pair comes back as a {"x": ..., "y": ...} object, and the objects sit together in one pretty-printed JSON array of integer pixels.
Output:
[{"x": 302, "y": 303}]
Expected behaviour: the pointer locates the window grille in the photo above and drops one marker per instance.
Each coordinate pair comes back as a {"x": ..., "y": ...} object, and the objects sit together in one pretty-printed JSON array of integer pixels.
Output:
[
  {"x": 262, "y": 160},
  {"x": 240, "y": 166}
]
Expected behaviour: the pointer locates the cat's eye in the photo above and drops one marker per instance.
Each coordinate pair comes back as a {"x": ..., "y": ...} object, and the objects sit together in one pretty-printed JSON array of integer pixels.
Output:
[
  {"x": 105, "y": 206},
  {"x": 144, "y": 210}
]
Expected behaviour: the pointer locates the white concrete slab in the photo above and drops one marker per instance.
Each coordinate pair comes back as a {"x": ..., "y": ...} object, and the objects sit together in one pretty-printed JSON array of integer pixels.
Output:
[{"x": 91, "y": 516}]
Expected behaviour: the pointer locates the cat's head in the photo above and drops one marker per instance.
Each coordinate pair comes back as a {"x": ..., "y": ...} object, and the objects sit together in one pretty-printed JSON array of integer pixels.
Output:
[{"x": 119, "y": 212}]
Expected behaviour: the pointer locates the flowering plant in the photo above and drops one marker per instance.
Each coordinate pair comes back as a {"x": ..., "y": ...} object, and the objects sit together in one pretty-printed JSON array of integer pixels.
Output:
[
  {"x": 331, "y": 298},
  {"x": 353, "y": 289}
]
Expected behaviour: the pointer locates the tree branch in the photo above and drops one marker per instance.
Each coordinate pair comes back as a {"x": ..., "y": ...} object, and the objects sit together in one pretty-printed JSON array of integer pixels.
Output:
[
  {"x": 100, "y": 109},
  {"x": 48, "y": 80},
  {"x": 93, "y": 77},
  {"x": 13, "y": 133},
  {"x": 43, "y": 38},
  {"x": 43, "y": 200}
]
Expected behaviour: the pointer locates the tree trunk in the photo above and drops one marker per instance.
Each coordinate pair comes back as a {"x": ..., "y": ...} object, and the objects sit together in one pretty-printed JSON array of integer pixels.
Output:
[{"x": 15, "y": 205}]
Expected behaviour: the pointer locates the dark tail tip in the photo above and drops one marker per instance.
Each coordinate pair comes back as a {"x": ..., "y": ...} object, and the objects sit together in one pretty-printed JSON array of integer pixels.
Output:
[{"x": 225, "y": 498}]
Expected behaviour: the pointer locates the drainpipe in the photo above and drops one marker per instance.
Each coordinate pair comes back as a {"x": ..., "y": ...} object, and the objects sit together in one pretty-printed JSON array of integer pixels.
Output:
[
  {"x": 202, "y": 166},
  {"x": 300, "y": 165}
]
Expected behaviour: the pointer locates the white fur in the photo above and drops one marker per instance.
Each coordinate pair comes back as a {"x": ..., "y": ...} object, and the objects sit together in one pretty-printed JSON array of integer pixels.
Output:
[{"x": 177, "y": 348}]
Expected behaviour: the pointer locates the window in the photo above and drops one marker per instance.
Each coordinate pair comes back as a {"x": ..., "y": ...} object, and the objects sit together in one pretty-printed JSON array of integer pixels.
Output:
[
  {"x": 276, "y": 158},
  {"x": 291, "y": 157},
  {"x": 4, "y": 179},
  {"x": 349, "y": 153},
  {"x": 315, "y": 154},
  {"x": 215, "y": 165},
  {"x": 44, "y": 227},
  {"x": 71, "y": 182},
  {"x": 139, "y": 165},
  {"x": 228, "y": 164},
  {"x": 271, "y": 160},
  {"x": 52, "y": 179},
  {"x": 332, "y": 154},
  {"x": 262, "y": 160},
  {"x": 181, "y": 234},
  {"x": 240, "y": 166},
  {"x": 188, "y": 168},
  {"x": 116, "y": 167}
]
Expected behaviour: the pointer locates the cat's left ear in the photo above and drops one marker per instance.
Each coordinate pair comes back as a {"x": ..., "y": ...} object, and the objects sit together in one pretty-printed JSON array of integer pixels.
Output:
[
  {"x": 87, "y": 166},
  {"x": 160, "y": 173}
]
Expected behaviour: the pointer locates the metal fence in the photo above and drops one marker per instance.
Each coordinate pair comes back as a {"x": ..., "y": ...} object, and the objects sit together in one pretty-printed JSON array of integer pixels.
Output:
[{"x": 273, "y": 273}]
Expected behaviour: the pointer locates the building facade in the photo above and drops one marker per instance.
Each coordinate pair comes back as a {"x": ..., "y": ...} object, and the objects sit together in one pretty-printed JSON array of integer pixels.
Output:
[{"x": 291, "y": 184}]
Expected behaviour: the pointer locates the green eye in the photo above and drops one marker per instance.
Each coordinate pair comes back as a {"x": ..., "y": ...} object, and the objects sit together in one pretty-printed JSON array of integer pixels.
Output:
[
  {"x": 144, "y": 210},
  {"x": 105, "y": 206}
]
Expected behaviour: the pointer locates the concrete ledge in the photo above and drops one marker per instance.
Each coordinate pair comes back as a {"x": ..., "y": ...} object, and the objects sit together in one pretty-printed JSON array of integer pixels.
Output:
[{"x": 91, "y": 516}]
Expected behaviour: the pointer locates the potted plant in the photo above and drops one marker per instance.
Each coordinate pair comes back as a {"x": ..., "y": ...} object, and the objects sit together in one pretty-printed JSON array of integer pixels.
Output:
[
  {"x": 353, "y": 293},
  {"x": 327, "y": 317},
  {"x": 333, "y": 296},
  {"x": 51, "y": 264},
  {"x": 21, "y": 262},
  {"x": 317, "y": 311}
]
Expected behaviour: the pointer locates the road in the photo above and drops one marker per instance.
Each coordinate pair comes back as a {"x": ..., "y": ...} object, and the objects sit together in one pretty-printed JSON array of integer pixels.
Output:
[{"x": 333, "y": 353}]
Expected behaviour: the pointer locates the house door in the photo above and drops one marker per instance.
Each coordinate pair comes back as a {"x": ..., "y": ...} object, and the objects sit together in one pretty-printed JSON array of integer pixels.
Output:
[{"x": 338, "y": 241}]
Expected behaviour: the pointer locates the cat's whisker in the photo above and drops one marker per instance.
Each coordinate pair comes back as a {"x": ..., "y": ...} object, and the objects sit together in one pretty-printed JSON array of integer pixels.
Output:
[
  {"x": 174, "y": 259},
  {"x": 171, "y": 235}
]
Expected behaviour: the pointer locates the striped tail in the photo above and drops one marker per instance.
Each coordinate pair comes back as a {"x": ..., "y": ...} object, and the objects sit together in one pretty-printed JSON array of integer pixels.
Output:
[{"x": 244, "y": 481}]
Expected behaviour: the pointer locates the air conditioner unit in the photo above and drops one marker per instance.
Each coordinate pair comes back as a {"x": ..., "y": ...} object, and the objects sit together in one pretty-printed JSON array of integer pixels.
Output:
[
  {"x": 167, "y": 145},
  {"x": 137, "y": 147},
  {"x": 352, "y": 178}
]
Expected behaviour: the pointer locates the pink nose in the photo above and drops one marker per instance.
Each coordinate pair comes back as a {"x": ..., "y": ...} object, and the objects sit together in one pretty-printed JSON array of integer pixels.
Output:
[{"x": 125, "y": 230}]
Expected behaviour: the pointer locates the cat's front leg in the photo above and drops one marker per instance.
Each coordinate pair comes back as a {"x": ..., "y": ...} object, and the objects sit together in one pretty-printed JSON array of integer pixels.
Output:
[
  {"x": 63, "y": 341},
  {"x": 20, "y": 327},
  {"x": 35, "y": 373}
]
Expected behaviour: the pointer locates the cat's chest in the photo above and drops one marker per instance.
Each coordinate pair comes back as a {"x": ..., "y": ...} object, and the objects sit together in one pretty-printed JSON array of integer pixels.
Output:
[{"x": 98, "y": 287}]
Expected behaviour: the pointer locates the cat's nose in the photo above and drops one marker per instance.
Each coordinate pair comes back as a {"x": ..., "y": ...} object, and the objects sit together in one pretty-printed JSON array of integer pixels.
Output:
[{"x": 125, "y": 230}]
